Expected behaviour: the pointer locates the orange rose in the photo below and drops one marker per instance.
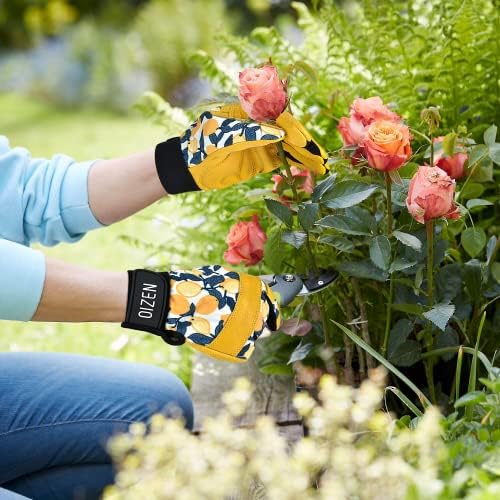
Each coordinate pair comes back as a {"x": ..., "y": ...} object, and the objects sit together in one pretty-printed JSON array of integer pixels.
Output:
[
  {"x": 387, "y": 145},
  {"x": 431, "y": 195},
  {"x": 452, "y": 165},
  {"x": 245, "y": 243},
  {"x": 262, "y": 94}
]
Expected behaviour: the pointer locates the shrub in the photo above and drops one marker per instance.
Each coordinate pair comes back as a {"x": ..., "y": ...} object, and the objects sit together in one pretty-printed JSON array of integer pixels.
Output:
[{"x": 353, "y": 450}]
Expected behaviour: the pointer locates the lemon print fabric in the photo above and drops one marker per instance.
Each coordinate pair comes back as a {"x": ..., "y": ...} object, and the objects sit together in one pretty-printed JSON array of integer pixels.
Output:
[
  {"x": 202, "y": 301},
  {"x": 210, "y": 133}
]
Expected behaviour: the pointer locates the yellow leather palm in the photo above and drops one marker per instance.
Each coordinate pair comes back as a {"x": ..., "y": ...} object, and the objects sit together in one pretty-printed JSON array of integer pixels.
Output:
[{"x": 225, "y": 147}]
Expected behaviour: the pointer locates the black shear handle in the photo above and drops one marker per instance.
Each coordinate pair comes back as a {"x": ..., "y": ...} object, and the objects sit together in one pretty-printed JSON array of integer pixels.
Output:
[{"x": 288, "y": 286}]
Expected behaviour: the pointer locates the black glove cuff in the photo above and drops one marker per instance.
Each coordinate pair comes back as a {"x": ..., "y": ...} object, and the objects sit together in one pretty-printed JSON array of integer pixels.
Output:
[
  {"x": 148, "y": 304},
  {"x": 172, "y": 169}
]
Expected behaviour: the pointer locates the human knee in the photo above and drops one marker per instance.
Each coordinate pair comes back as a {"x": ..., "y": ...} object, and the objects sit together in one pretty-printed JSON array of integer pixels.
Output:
[{"x": 173, "y": 398}]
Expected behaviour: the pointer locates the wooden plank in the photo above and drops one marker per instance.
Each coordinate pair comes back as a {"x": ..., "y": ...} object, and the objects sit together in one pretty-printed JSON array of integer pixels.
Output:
[{"x": 273, "y": 393}]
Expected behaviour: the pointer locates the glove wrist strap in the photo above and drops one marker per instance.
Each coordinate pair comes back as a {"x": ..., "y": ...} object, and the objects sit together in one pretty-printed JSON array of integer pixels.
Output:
[
  {"x": 172, "y": 169},
  {"x": 148, "y": 304}
]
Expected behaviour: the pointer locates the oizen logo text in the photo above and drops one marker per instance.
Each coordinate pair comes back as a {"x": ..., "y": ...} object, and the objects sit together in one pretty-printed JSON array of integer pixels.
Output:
[{"x": 148, "y": 301}]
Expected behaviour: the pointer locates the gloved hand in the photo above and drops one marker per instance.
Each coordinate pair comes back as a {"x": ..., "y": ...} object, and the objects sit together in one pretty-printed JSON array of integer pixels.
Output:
[
  {"x": 218, "y": 312},
  {"x": 225, "y": 147}
]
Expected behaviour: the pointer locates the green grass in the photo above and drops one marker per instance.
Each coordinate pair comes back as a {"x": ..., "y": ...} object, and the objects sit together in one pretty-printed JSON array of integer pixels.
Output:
[{"x": 87, "y": 134}]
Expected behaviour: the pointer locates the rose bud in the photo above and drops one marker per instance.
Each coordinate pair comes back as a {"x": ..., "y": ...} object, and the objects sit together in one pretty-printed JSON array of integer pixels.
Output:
[
  {"x": 372, "y": 109},
  {"x": 452, "y": 165},
  {"x": 262, "y": 94},
  {"x": 245, "y": 243},
  {"x": 306, "y": 185},
  {"x": 431, "y": 195},
  {"x": 387, "y": 145}
]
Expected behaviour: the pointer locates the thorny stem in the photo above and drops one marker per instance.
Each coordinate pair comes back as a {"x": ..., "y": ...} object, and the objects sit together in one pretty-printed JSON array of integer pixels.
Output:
[
  {"x": 389, "y": 203},
  {"x": 289, "y": 175},
  {"x": 361, "y": 353}
]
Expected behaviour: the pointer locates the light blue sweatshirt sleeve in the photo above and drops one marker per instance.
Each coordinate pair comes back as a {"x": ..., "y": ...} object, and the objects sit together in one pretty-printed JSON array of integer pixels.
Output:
[{"x": 43, "y": 201}]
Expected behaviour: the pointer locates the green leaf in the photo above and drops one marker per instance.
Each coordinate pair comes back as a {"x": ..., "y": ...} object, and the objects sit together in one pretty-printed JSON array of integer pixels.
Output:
[
  {"x": 338, "y": 242},
  {"x": 495, "y": 153},
  {"x": 301, "y": 352},
  {"x": 477, "y": 153},
  {"x": 400, "y": 350},
  {"x": 490, "y": 134},
  {"x": 440, "y": 314},
  {"x": 348, "y": 193},
  {"x": 408, "y": 240},
  {"x": 368, "y": 348},
  {"x": 307, "y": 214},
  {"x": 406, "y": 354},
  {"x": 448, "y": 143},
  {"x": 380, "y": 252},
  {"x": 472, "y": 190},
  {"x": 344, "y": 224},
  {"x": 283, "y": 213},
  {"x": 323, "y": 188},
  {"x": 448, "y": 338},
  {"x": 416, "y": 309},
  {"x": 473, "y": 240},
  {"x": 274, "y": 252},
  {"x": 294, "y": 238},
  {"x": 490, "y": 247},
  {"x": 362, "y": 269},
  {"x": 471, "y": 398},
  {"x": 476, "y": 202},
  {"x": 473, "y": 279},
  {"x": 399, "y": 264},
  {"x": 448, "y": 282}
]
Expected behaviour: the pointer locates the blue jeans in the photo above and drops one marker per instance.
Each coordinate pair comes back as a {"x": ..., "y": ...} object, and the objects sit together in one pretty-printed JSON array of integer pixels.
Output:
[{"x": 57, "y": 412}]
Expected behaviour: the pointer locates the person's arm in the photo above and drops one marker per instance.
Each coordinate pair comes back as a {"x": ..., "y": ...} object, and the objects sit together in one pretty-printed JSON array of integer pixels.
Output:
[
  {"x": 76, "y": 294},
  {"x": 33, "y": 287},
  {"x": 120, "y": 187}
]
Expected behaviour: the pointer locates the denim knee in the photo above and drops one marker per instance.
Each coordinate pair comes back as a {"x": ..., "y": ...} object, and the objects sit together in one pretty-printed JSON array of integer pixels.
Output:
[{"x": 172, "y": 396}]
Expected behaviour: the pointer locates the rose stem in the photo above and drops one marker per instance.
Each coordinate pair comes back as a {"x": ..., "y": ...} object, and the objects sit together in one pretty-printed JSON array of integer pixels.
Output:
[
  {"x": 429, "y": 226},
  {"x": 429, "y": 363},
  {"x": 389, "y": 203},
  {"x": 388, "y": 315},
  {"x": 432, "y": 149},
  {"x": 289, "y": 175}
]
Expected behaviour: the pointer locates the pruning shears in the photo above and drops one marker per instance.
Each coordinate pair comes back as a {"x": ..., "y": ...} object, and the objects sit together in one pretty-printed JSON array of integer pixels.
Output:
[{"x": 289, "y": 286}]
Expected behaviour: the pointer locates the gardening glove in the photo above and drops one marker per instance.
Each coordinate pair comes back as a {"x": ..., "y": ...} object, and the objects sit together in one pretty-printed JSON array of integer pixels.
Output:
[
  {"x": 225, "y": 147},
  {"x": 301, "y": 149},
  {"x": 218, "y": 312}
]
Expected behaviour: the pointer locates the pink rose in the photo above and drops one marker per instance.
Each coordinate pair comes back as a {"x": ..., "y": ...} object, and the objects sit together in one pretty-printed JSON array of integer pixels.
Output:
[
  {"x": 372, "y": 109},
  {"x": 306, "y": 185},
  {"x": 245, "y": 243},
  {"x": 262, "y": 94},
  {"x": 352, "y": 130},
  {"x": 430, "y": 195},
  {"x": 452, "y": 165},
  {"x": 387, "y": 145}
]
